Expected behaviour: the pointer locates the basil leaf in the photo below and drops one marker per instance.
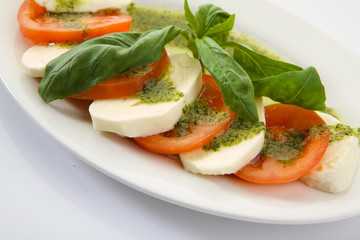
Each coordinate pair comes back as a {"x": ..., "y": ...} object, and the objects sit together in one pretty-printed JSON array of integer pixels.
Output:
[
  {"x": 96, "y": 60},
  {"x": 235, "y": 85},
  {"x": 222, "y": 28},
  {"x": 208, "y": 16},
  {"x": 257, "y": 65},
  {"x": 209, "y": 20},
  {"x": 190, "y": 18},
  {"x": 301, "y": 88}
]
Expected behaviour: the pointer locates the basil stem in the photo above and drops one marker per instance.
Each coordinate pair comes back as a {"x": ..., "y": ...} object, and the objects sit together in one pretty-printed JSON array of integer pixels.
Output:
[
  {"x": 98, "y": 59},
  {"x": 235, "y": 85}
]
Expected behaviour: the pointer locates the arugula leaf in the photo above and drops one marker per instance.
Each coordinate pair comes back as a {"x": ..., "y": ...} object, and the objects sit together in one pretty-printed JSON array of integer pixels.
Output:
[
  {"x": 235, "y": 85},
  {"x": 98, "y": 59},
  {"x": 257, "y": 65},
  {"x": 302, "y": 88}
]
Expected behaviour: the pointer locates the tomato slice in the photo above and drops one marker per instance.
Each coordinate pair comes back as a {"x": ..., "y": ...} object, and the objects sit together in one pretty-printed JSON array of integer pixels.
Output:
[
  {"x": 38, "y": 26},
  {"x": 279, "y": 118},
  {"x": 126, "y": 84},
  {"x": 199, "y": 135}
]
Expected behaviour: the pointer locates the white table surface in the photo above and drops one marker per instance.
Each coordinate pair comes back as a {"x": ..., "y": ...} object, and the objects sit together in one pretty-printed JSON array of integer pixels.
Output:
[{"x": 47, "y": 193}]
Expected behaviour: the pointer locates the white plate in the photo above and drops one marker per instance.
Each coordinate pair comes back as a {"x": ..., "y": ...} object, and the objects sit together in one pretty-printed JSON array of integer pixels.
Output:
[{"x": 69, "y": 123}]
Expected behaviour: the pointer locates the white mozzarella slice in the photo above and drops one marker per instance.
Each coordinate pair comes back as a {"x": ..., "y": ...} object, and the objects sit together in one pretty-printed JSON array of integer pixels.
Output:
[
  {"x": 131, "y": 118},
  {"x": 81, "y": 5},
  {"x": 35, "y": 59},
  {"x": 227, "y": 160},
  {"x": 336, "y": 170},
  {"x": 173, "y": 50}
]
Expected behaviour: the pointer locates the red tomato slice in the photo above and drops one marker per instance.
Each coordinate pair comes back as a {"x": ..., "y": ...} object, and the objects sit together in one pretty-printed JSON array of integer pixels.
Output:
[
  {"x": 38, "y": 26},
  {"x": 126, "y": 84},
  {"x": 281, "y": 117},
  {"x": 199, "y": 135}
]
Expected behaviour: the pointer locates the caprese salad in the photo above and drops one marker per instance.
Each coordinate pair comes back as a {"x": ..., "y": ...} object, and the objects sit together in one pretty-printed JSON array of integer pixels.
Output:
[{"x": 204, "y": 104}]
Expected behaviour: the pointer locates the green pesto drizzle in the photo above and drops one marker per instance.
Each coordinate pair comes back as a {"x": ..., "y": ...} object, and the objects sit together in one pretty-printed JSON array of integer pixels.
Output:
[
  {"x": 285, "y": 147},
  {"x": 69, "y": 20},
  {"x": 67, "y": 5},
  {"x": 145, "y": 18},
  {"x": 239, "y": 130},
  {"x": 340, "y": 131},
  {"x": 194, "y": 114},
  {"x": 162, "y": 90}
]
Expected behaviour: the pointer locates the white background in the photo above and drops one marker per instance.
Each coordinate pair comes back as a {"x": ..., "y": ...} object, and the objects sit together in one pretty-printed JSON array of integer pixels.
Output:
[{"x": 46, "y": 193}]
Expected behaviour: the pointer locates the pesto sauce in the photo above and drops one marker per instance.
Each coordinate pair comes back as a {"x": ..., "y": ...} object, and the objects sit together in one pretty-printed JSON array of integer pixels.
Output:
[
  {"x": 239, "y": 130},
  {"x": 340, "y": 131},
  {"x": 160, "y": 90},
  {"x": 146, "y": 18},
  {"x": 69, "y": 20},
  {"x": 66, "y": 5},
  {"x": 197, "y": 113},
  {"x": 285, "y": 146}
]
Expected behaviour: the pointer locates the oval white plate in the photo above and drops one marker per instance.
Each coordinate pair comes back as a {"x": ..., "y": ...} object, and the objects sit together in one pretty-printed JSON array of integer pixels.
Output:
[{"x": 69, "y": 123}]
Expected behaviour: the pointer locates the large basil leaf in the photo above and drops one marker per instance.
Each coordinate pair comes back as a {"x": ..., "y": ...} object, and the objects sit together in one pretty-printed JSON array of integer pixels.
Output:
[
  {"x": 235, "y": 85},
  {"x": 257, "y": 65},
  {"x": 96, "y": 60},
  {"x": 301, "y": 88}
]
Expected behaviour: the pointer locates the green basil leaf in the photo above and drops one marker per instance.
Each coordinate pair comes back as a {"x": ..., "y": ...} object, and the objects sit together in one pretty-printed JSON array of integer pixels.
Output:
[
  {"x": 302, "y": 88},
  {"x": 192, "y": 21},
  {"x": 235, "y": 85},
  {"x": 222, "y": 28},
  {"x": 208, "y": 16},
  {"x": 257, "y": 65},
  {"x": 96, "y": 60}
]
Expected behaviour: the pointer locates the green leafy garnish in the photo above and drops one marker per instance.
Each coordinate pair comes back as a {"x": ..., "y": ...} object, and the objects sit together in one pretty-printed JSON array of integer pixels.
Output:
[
  {"x": 235, "y": 85},
  {"x": 98, "y": 59},
  {"x": 247, "y": 74}
]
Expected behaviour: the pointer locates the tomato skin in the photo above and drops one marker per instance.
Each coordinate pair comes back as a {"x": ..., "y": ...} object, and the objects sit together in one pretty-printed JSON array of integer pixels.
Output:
[
  {"x": 35, "y": 26},
  {"x": 124, "y": 85},
  {"x": 280, "y": 117},
  {"x": 199, "y": 135}
]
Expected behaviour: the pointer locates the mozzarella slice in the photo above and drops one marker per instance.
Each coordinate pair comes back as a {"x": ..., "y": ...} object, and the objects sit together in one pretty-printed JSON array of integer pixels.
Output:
[
  {"x": 336, "y": 170},
  {"x": 131, "y": 118},
  {"x": 34, "y": 60},
  {"x": 227, "y": 160},
  {"x": 81, "y": 5}
]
